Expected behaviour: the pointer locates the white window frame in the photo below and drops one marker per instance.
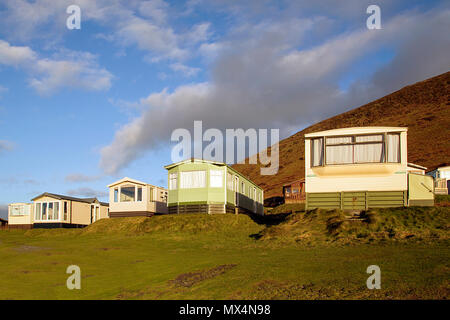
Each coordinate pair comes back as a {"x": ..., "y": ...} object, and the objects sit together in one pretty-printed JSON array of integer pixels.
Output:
[
  {"x": 182, "y": 186},
  {"x": 47, "y": 205},
  {"x": 215, "y": 174},
  {"x": 173, "y": 179}
]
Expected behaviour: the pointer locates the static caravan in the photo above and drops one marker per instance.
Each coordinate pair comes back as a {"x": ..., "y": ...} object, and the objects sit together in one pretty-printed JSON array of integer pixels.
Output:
[
  {"x": 362, "y": 167},
  {"x": 132, "y": 198},
  {"x": 20, "y": 215},
  {"x": 59, "y": 211},
  {"x": 294, "y": 192},
  {"x": 211, "y": 187},
  {"x": 441, "y": 177}
]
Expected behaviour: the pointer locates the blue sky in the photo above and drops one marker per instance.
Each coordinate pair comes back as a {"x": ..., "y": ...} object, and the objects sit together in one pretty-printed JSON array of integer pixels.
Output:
[{"x": 82, "y": 108}]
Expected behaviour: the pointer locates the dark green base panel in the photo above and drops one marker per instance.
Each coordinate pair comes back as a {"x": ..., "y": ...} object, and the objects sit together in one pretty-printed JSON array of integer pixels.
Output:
[
  {"x": 421, "y": 203},
  {"x": 357, "y": 200}
]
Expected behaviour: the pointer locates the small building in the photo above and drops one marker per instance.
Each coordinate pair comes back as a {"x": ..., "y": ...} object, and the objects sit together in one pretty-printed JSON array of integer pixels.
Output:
[
  {"x": 441, "y": 177},
  {"x": 132, "y": 198},
  {"x": 20, "y": 215},
  {"x": 3, "y": 223},
  {"x": 294, "y": 192},
  {"x": 211, "y": 187},
  {"x": 60, "y": 211},
  {"x": 362, "y": 167}
]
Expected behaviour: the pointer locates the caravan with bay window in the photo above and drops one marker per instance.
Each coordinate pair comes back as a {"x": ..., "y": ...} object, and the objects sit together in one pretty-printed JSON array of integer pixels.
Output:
[
  {"x": 133, "y": 198},
  {"x": 204, "y": 186},
  {"x": 361, "y": 167},
  {"x": 59, "y": 211}
]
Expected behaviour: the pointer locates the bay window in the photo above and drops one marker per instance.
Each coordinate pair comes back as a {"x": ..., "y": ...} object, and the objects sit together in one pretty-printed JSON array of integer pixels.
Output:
[
  {"x": 49, "y": 211},
  {"x": 127, "y": 194}
]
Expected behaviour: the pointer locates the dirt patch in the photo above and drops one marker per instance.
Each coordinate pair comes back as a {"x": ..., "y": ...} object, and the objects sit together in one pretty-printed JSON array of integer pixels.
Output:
[{"x": 187, "y": 280}]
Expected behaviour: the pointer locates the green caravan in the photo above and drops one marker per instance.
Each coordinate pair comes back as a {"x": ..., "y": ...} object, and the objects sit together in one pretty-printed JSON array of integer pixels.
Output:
[{"x": 205, "y": 186}]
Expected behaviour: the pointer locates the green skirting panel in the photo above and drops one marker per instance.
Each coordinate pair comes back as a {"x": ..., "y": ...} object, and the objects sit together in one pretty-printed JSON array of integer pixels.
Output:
[{"x": 356, "y": 200}]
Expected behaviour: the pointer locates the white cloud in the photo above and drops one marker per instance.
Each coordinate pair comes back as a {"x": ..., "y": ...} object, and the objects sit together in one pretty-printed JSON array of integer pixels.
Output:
[
  {"x": 185, "y": 70},
  {"x": 66, "y": 69},
  {"x": 87, "y": 193},
  {"x": 6, "y": 145},
  {"x": 143, "y": 24},
  {"x": 15, "y": 56},
  {"x": 79, "y": 177},
  {"x": 263, "y": 80}
]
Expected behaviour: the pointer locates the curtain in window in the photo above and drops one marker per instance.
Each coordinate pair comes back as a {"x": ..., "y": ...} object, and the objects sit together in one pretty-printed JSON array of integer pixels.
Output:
[
  {"x": 371, "y": 152},
  {"x": 371, "y": 138},
  {"x": 38, "y": 212},
  {"x": 56, "y": 212},
  {"x": 215, "y": 177},
  {"x": 339, "y": 154},
  {"x": 338, "y": 140},
  {"x": 393, "y": 145},
  {"x": 193, "y": 179},
  {"x": 317, "y": 152}
]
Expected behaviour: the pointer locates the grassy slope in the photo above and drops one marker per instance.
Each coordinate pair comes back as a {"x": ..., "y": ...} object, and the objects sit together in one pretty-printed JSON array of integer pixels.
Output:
[
  {"x": 422, "y": 107},
  {"x": 218, "y": 257}
]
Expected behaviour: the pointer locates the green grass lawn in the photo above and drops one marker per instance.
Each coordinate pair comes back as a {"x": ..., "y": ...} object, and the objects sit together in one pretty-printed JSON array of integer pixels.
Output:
[{"x": 218, "y": 257}]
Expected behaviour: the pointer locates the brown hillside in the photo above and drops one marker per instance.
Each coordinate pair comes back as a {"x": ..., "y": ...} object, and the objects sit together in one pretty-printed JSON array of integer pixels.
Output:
[{"x": 423, "y": 107}]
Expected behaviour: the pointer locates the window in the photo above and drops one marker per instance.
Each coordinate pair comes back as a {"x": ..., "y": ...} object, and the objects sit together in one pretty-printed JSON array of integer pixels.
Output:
[
  {"x": 65, "y": 210},
  {"x": 152, "y": 197},
  {"x": 393, "y": 147},
  {"x": 127, "y": 194},
  {"x": 356, "y": 149},
  {"x": 116, "y": 194},
  {"x": 216, "y": 178},
  {"x": 242, "y": 188},
  {"x": 317, "y": 152},
  {"x": 193, "y": 179},
  {"x": 38, "y": 214},
  {"x": 229, "y": 181},
  {"x": 47, "y": 211},
  {"x": 19, "y": 210},
  {"x": 56, "y": 211},
  {"x": 294, "y": 190},
  {"x": 173, "y": 181},
  {"x": 288, "y": 190},
  {"x": 44, "y": 211},
  {"x": 139, "y": 194}
]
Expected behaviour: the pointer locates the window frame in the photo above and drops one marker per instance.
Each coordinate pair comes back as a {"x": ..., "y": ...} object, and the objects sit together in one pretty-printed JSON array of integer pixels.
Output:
[
  {"x": 211, "y": 175},
  {"x": 56, "y": 210},
  {"x": 173, "y": 177},
  {"x": 383, "y": 143},
  {"x": 191, "y": 187}
]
